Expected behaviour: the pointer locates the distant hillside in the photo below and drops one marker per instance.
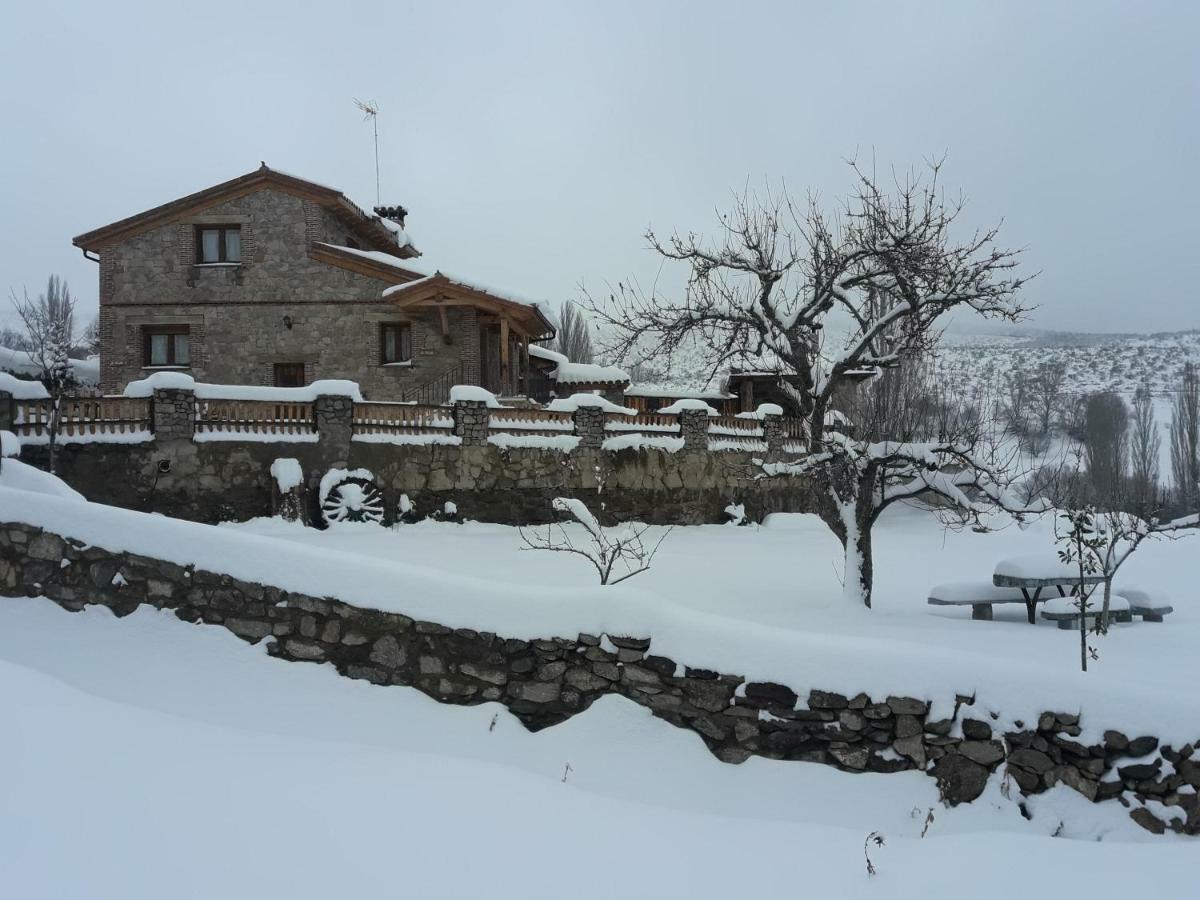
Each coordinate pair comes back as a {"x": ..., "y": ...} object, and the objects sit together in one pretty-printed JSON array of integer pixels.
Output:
[{"x": 1093, "y": 362}]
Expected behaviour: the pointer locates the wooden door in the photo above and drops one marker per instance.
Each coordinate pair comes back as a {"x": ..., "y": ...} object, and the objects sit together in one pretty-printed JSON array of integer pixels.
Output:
[{"x": 489, "y": 359}]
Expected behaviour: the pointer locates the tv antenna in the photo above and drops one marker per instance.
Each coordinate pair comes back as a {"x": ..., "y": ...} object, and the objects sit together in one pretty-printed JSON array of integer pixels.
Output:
[{"x": 370, "y": 110}]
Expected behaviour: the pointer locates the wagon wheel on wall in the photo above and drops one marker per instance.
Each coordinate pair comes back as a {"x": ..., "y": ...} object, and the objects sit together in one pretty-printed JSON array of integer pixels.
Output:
[{"x": 353, "y": 500}]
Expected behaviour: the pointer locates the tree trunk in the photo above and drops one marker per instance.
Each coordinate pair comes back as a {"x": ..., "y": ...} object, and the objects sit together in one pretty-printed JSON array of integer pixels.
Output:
[
  {"x": 1104, "y": 609},
  {"x": 858, "y": 572}
]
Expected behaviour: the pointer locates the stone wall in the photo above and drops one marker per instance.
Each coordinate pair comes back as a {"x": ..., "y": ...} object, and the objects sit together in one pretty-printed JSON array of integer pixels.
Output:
[
  {"x": 235, "y": 314},
  {"x": 546, "y": 681},
  {"x": 219, "y": 481}
]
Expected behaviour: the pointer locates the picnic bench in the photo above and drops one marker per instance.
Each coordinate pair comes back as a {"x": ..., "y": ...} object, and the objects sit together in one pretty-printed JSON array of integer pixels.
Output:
[
  {"x": 1022, "y": 579},
  {"x": 979, "y": 595},
  {"x": 1033, "y": 574}
]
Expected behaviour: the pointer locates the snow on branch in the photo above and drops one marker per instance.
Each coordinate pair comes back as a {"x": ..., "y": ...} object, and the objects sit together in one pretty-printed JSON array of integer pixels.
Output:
[
  {"x": 818, "y": 297},
  {"x": 616, "y": 554}
]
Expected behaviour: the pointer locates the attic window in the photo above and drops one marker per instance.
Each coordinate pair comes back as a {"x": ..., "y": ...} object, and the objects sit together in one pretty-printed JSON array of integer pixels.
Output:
[{"x": 218, "y": 244}]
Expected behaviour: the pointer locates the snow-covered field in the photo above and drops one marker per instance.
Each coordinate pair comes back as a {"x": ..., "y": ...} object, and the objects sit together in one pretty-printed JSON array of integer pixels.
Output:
[{"x": 148, "y": 758}]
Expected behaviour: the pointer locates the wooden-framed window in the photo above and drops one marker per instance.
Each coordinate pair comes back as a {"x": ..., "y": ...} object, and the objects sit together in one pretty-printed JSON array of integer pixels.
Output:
[
  {"x": 218, "y": 244},
  {"x": 166, "y": 345},
  {"x": 289, "y": 375},
  {"x": 395, "y": 342}
]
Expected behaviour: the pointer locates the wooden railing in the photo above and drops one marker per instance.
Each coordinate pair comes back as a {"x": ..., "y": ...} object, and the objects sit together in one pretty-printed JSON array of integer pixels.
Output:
[
  {"x": 644, "y": 423},
  {"x": 531, "y": 421},
  {"x": 254, "y": 417},
  {"x": 79, "y": 416},
  {"x": 733, "y": 433},
  {"x": 402, "y": 418},
  {"x": 734, "y": 426}
]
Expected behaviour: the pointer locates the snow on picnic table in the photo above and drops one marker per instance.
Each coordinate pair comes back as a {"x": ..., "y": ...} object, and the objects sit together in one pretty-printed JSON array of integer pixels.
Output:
[{"x": 1039, "y": 567}]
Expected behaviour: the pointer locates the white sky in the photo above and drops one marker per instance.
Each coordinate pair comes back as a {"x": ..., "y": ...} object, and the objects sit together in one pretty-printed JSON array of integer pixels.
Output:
[{"x": 534, "y": 142}]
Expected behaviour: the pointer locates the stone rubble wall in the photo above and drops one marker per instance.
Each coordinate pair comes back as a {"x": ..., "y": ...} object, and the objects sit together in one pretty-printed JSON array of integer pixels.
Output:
[{"x": 544, "y": 682}]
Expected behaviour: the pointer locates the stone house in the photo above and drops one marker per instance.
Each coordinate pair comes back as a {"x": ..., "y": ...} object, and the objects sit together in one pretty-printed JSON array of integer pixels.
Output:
[{"x": 270, "y": 279}]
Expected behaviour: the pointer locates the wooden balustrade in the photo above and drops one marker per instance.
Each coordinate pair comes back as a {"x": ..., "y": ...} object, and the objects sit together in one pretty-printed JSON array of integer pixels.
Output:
[
  {"x": 79, "y": 416},
  {"x": 402, "y": 418},
  {"x": 643, "y": 423},
  {"x": 254, "y": 417},
  {"x": 531, "y": 421},
  {"x": 735, "y": 426}
]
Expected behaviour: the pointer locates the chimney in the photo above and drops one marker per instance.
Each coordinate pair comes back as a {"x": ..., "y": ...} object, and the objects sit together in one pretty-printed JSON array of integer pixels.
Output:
[{"x": 392, "y": 213}]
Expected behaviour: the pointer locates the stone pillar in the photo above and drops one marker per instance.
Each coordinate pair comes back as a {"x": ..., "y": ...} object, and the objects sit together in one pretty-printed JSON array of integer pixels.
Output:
[
  {"x": 7, "y": 411},
  {"x": 589, "y": 427},
  {"x": 614, "y": 395},
  {"x": 471, "y": 422},
  {"x": 693, "y": 428},
  {"x": 334, "y": 416},
  {"x": 173, "y": 414},
  {"x": 772, "y": 428}
]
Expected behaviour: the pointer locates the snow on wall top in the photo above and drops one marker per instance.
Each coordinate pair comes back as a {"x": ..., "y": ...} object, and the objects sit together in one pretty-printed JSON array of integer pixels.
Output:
[
  {"x": 575, "y": 401},
  {"x": 688, "y": 403},
  {"x": 287, "y": 473},
  {"x": 181, "y": 381},
  {"x": 472, "y": 393},
  {"x": 22, "y": 388},
  {"x": 10, "y": 445}
]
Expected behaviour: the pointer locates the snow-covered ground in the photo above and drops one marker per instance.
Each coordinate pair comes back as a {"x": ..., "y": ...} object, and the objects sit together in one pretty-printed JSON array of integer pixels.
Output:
[{"x": 147, "y": 758}]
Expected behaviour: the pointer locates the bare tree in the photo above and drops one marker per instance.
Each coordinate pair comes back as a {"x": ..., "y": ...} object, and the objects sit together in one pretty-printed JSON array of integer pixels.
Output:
[
  {"x": 1046, "y": 387},
  {"x": 1185, "y": 439},
  {"x": 606, "y": 549},
  {"x": 1144, "y": 448},
  {"x": 89, "y": 341},
  {"x": 778, "y": 284},
  {"x": 574, "y": 338},
  {"x": 11, "y": 339},
  {"x": 49, "y": 328},
  {"x": 1017, "y": 403}
]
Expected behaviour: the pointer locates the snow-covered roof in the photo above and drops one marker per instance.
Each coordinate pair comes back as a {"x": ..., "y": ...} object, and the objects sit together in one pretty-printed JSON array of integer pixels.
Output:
[
  {"x": 468, "y": 283},
  {"x": 540, "y": 352},
  {"x": 19, "y": 362},
  {"x": 402, "y": 267},
  {"x": 367, "y": 226},
  {"x": 587, "y": 373},
  {"x": 672, "y": 392}
]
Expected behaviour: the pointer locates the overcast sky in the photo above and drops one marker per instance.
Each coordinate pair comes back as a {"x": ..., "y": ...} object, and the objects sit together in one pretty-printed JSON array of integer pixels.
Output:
[{"x": 533, "y": 143}]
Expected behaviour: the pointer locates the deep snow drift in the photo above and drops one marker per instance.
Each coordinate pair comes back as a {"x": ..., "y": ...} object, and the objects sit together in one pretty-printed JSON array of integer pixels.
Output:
[{"x": 148, "y": 758}]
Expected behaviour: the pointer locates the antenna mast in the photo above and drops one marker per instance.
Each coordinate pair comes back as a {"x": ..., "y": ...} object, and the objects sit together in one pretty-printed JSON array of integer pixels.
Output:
[{"x": 370, "y": 110}]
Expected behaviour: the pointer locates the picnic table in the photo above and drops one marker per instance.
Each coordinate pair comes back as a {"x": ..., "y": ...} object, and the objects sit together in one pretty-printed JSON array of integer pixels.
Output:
[{"x": 1033, "y": 574}]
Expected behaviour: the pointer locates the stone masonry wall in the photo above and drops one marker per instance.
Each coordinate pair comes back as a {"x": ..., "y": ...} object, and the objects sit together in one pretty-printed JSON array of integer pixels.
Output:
[
  {"x": 235, "y": 314},
  {"x": 546, "y": 681},
  {"x": 219, "y": 481}
]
